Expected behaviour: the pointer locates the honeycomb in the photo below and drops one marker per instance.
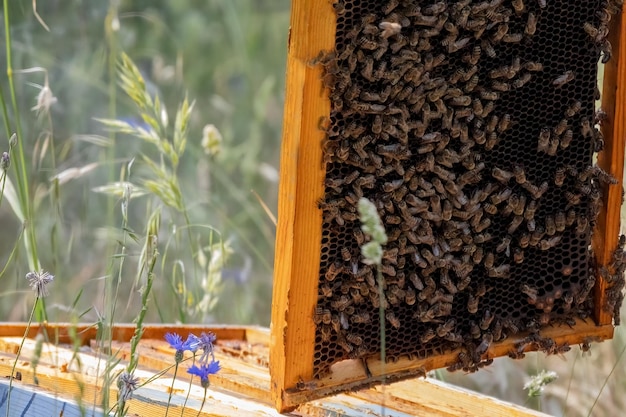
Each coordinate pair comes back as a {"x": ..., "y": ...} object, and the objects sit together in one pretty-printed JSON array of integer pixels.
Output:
[{"x": 471, "y": 125}]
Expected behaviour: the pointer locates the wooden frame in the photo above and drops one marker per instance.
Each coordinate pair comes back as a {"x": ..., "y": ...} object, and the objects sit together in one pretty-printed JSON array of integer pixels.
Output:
[
  {"x": 301, "y": 186},
  {"x": 612, "y": 158},
  {"x": 299, "y": 234}
]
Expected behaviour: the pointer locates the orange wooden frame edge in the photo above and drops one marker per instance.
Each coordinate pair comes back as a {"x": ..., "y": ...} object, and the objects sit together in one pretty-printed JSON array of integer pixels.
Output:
[
  {"x": 605, "y": 235},
  {"x": 301, "y": 186}
]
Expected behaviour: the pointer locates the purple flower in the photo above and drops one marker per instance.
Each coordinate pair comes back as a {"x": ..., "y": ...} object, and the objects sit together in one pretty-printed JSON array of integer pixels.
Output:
[
  {"x": 126, "y": 384},
  {"x": 204, "y": 370},
  {"x": 39, "y": 281},
  {"x": 176, "y": 342},
  {"x": 205, "y": 342}
]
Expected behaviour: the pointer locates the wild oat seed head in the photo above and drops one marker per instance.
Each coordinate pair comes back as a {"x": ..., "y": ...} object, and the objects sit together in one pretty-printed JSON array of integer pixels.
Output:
[
  {"x": 12, "y": 140},
  {"x": 45, "y": 99},
  {"x": 372, "y": 253},
  {"x": 538, "y": 382},
  {"x": 39, "y": 281},
  {"x": 211, "y": 140},
  {"x": 370, "y": 221},
  {"x": 126, "y": 384}
]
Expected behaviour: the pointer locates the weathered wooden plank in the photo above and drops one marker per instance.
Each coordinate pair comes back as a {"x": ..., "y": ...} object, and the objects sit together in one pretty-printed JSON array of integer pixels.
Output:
[
  {"x": 60, "y": 332},
  {"x": 240, "y": 388},
  {"x": 55, "y": 375}
]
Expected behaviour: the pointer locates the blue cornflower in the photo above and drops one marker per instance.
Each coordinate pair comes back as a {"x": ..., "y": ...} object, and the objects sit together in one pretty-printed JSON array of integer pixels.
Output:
[
  {"x": 176, "y": 342},
  {"x": 204, "y": 370},
  {"x": 205, "y": 342}
]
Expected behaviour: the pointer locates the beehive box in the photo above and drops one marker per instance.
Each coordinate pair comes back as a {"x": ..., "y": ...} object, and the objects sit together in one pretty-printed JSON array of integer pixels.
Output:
[
  {"x": 473, "y": 127},
  {"x": 66, "y": 375}
]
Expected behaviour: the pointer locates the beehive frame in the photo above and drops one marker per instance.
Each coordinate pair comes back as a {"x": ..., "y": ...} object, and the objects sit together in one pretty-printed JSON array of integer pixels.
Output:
[{"x": 298, "y": 250}]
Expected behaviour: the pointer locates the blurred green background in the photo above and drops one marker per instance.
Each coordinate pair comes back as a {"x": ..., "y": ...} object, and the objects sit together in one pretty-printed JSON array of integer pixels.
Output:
[{"x": 228, "y": 56}]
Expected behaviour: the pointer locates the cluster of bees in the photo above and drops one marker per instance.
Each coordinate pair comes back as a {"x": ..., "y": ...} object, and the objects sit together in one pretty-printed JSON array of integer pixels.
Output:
[
  {"x": 613, "y": 274},
  {"x": 473, "y": 134}
]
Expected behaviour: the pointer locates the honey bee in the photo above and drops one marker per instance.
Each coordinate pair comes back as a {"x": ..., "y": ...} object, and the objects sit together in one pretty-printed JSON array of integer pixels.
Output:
[
  {"x": 500, "y": 33},
  {"x": 333, "y": 270},
  {"x": 501, "y": 196},
  {"x": 410, "y": 296},
  {"x": 559, "y": 221},
  {"x": 361, "y": 317},
  {"x": 454, "y": 367},
  {"x": 522, "y": 80},
  {"x": 492, "y": 124},
  {"x": 458, "y": 45},
  {"x": 550, "y": 226},
  {"x": 531, "y": 25},
  {"x": 325, "y": 333},
  {"x": 389, "y": 29},
  {"x": 342, "y": 303},
  {"x": 599, "y": 117},
  {"x": 561, "y": 127},
  {"x": 472, "y": 59},
  {"x": 345, "y": 345},
  {"x": 446, "y": 282},
  {"x": 537, "y": 235},
  {"x": 582, "y": 225},
  {"x": 392, "y": 319},
  {"x": 492, "y": 141},
  {"x": 482, "y": 238},
  {"x": 533, "y": 66},
  {"x": 585, "y": 128},
  {"x": 482, "y": 348},
  {"x": 504, "y": 244},
  {"x": 470, "y": 86},
  {"x": 489, "y": 260},
  {"x": 354, "y": 339},
  {"x": 490, "y": 208},
  {"x": 489, "y": 95},
  {"x": 563, "y": 79},
  {"x": 500, "y": 86},
  {"x": 445, "y": 328},
  {"x": 472, "y": 304},
  {"x": 322, "y": 315},
  {"x": 573, "y": 199},
  {"x": 573, "y": 109},
  {"x": 553, "y": 146},
  {"x": 512, "y": 38},
  {"x": 546, "y": 244},
  {"x": 519, "y": 173},
  {"x": 544, "y": 140},
  {"x": 519, "y": 208},
  {"x": 559, "y": 176},
  {"x": 500, "y": 72},
  {"x": 427, "y": 336},
  {"x": 501, "y": 271}
]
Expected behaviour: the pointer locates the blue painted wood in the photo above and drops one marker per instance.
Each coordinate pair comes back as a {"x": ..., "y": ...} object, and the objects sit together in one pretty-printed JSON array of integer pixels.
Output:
[{"x": 29, "y": 402}]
